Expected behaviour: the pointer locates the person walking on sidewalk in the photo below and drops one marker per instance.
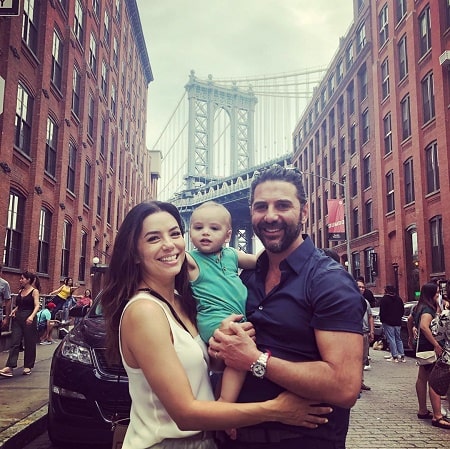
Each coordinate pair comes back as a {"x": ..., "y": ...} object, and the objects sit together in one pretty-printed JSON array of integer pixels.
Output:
[
  {"x": 24, "y": 326},
  {"x": 391, "y": 313},
  {"x": 5, "y": 301},
  {"x": 421, "y": 317}
]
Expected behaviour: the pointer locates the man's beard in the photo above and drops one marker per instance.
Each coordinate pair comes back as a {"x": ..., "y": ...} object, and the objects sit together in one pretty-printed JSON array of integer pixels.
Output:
[{"x": 291, "y": 232}]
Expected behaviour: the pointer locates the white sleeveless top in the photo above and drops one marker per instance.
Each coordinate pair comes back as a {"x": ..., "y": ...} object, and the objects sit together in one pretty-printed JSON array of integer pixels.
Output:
[{"x": 149, "y": 421}]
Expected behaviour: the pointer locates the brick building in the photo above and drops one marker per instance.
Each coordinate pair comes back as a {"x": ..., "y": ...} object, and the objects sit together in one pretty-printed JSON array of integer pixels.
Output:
[
  {"x": 73, "y": 158},
  {"x": 378, "y": 124}
]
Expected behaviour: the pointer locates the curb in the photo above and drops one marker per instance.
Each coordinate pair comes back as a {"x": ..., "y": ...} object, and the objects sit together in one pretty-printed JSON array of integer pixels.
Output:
[{"x": 24, "y": 431}]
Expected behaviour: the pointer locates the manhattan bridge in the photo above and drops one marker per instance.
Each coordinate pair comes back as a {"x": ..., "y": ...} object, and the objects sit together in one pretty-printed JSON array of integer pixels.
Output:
[{"x": 221, "y": 132}]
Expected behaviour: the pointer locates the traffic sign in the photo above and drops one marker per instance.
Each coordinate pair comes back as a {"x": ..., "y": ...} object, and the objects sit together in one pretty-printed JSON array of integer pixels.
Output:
[{"x": 9, "y": 7}]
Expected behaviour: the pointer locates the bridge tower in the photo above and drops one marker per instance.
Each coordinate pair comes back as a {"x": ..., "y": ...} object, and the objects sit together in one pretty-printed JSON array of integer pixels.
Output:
[{"x": 206, "y": 99}]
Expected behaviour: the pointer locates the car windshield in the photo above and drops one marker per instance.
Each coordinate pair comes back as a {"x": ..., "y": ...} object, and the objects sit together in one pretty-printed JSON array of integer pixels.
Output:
[{"x": 96, "y": 309}]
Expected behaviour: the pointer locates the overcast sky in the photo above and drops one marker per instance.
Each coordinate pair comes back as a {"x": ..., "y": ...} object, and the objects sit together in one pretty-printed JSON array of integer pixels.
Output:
[{"x": 233, "y": 38}]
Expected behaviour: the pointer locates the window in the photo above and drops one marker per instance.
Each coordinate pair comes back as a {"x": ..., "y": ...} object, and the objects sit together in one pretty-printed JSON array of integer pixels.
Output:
[
  {"x": 342, "y": 150},
  {"x": 351, "y": 98},
  {"x": 78, "y": 21},
  {"x": 361, "y": 37},
  {"x": 96, "y": 8},
  {"x": 64, "y": 4},
  {"x": 402, "y": 58},
  {"x": 339, "y": 71},
  {"x": 57, "y": 60},
  {"x": 76, "y": 91},
  {"x": 408, "y": 168},
  {"x": 369, "y": 258},
  {"x": 406, "y": 117},
  {"x": 87, "y": 183},
  {"x": 341, "y": 116},
  {"x": 323, "y": 98},
  {"x": 349, "y": 56},
  {"x": 353, "y": 139},
  {"x": 113, "y": 99},
  {"x": 324, "y": 133},
  {"x": 116, "y": 52},
  {"x": 425, "y": 31},
  {"x": 50, "y": 147},
  {"x": 332, "y": 124},
  {"x": 369, "y": 216},
  {"x": 83, "y": 254},
  {"x": 365, "y": 126},
  {"x": 355, "y": 223},
  {"x": 333, "y": 160},
  {"x": 43, "y": 257},
  {"x": 93, "y": 51},
  {"x": 385, "y": 78},
  {"x": 437, "y": 245},
  {"x": 108, "y": 208},
  {"x": 99, "y": 196},
  {"x": 106, "y": 27},
  {"x": 354, "y": 181},
  {"x": 104, "y": 81},
  {"x": 356, "y": 268},
  {"x": 14, "y": 230},
  {"x": 367, "y": 177},
  {"x": 400, "y": 6},
  {"x": 71, "y": 168},
  {"x": 65, "y": 250},
  {"x": 24, "y": 115},
  {"x": 387, "y": 127},
  {"x": 428, "y": 97},
  {"x": 103, "y": 137},
  {"x": 325, "y": 167},
  {"x": 112, "y": 151},
  {"x": 118, "y": 10},
  {"x": 390, "y": 203},
  {"x": 383, "y": 25},
  {"x": 91, "y": 113},
  {"x": 448, "y": 13},
  {"x": 432, "y": 167},
  {"x": 30, "y": 24},
  {"x": 362, "y": 78}
]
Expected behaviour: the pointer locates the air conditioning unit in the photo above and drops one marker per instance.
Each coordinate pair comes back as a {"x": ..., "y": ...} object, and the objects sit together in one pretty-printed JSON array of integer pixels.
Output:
[{"x": 444, "y": 59}]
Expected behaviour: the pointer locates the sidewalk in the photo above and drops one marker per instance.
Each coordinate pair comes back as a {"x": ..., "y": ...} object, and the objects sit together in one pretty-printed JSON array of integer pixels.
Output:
[
  {"x": 383, "y": 418},
  {"x": 23, "y": 400}
]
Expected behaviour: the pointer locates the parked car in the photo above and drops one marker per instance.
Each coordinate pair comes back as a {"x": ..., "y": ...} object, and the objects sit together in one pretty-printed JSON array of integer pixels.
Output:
[
  {"x": 86, "y": 393},
  {"x": 378, "y": 327}
]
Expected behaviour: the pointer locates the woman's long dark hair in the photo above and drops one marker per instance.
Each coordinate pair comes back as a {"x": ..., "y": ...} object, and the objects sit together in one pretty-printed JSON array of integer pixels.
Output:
[
  {"x": 123, "y": 275},
  {"x": 426, "y": 298}
]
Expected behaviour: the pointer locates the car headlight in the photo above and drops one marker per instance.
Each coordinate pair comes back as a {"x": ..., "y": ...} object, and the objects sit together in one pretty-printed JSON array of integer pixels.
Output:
[{"x": 76, "y": 353}]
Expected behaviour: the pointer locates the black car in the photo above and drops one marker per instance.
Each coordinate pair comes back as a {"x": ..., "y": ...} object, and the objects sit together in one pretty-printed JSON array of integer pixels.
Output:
[{"x": 86, "y": 393}]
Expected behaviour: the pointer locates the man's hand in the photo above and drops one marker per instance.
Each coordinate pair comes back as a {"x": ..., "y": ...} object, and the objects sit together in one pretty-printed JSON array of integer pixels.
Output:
[{"x": 235, "y": 345}]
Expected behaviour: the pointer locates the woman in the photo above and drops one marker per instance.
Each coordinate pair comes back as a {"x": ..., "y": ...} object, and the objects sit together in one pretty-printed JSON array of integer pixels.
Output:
[
  {"x": 24, "y": 326},
  {"x": 83, "y": 301},
  {"x": 62, "y": 294},
  {"x": 150, "y": 322},
  {"x": 420, "y": 318}
]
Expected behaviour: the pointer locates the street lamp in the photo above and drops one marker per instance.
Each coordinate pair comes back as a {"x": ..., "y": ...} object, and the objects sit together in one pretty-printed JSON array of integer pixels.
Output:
[
  {"x": 97, "y": 271},
  {"x": 345, "y": 187},
  {"x": 395, "y": 267}
]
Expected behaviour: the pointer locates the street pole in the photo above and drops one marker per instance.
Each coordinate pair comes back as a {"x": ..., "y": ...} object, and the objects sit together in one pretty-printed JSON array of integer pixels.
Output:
[{"x": 345, "y": 186}]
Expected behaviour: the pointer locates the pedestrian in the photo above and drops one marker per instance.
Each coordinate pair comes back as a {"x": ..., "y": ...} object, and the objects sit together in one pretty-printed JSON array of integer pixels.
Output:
[
  {"x": 307, "y": 313},
  {"x": 392, "y": 310},
  {"x": 5, "y": 301},
  {"x": 214, "y": 279},
  {"x": 45, "y": 324},
  {"x": 150, "y": 325},
  {"x": 367, "y": 293},
  {"x": 63, "y": 295},
  {"x": 419, "y": 327},
  {"x": 23, "y": 326}
]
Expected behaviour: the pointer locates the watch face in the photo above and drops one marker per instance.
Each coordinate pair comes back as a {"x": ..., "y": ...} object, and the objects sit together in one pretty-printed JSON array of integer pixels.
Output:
[{"x": 259, "y": 369}]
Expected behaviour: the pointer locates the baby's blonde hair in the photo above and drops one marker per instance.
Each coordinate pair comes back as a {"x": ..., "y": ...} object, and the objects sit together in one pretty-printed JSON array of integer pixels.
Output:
[{"x": 217, "y": 206}]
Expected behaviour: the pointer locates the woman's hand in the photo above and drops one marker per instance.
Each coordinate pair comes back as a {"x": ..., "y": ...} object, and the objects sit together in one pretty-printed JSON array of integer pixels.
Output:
[
  {"x": 29, "y": 320},
  {"x": 294, "y": 410}
]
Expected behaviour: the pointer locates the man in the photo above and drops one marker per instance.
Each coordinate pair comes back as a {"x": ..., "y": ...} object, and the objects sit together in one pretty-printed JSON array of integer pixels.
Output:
[
  {"x": 366, "y": 292},
  {"x": 391, "y": 313},
  {"x": 5, "y": 301},
  {"x": 46, "y": 324},
  {"x": 307, "y": 313}
]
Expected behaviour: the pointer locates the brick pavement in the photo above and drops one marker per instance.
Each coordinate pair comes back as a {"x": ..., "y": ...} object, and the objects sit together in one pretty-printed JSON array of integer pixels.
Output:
[{"x": 386, "y": 416}]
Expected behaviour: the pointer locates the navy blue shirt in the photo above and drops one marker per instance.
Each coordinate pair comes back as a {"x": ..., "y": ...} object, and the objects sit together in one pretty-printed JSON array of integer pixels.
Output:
[{"x": 315, "y": 292}]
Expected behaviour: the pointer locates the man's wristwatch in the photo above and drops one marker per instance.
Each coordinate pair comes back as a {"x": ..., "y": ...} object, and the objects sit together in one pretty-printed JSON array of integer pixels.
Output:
[{"x": 259, "y": 367}]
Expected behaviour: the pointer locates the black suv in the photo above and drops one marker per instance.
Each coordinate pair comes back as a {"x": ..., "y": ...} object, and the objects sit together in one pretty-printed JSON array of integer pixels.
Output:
[{"x": 85, "y": 392}]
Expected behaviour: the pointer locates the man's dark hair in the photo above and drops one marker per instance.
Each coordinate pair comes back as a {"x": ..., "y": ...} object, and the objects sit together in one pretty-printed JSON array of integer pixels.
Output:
[
  {"x": 361, "y": 279},
  {"x": 278, "y": 173}
]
